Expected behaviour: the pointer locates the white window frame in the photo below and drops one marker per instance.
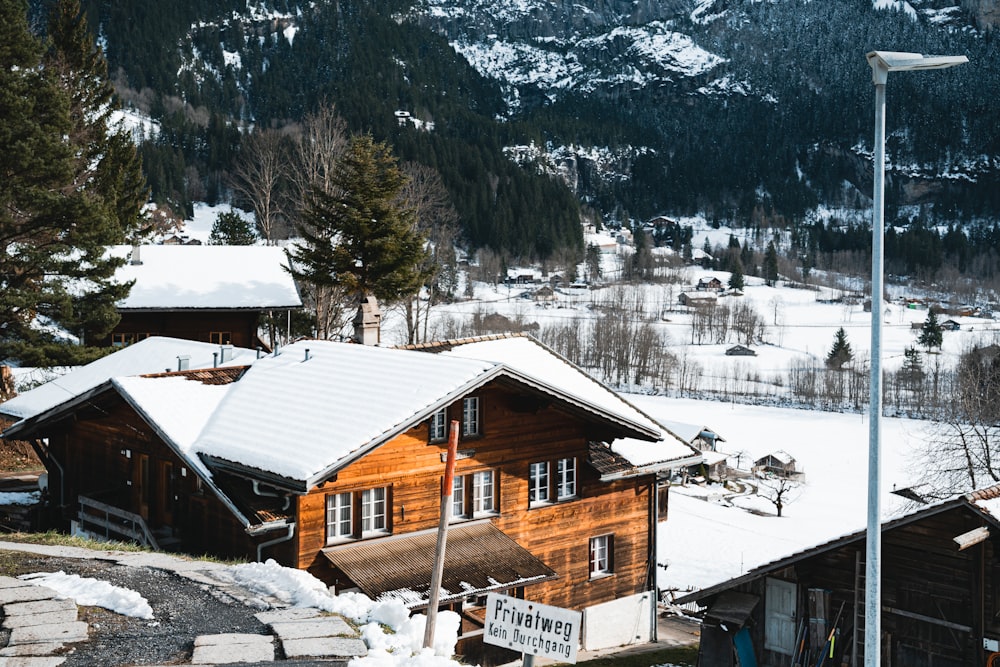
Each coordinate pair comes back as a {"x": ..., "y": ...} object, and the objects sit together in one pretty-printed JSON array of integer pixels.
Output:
[
  {"x": 566, "y": 478},
  {"x": 374, "y": 511},
  {"x": 538, "y": 483},
  {"x": 484, "y": 493},
  {"x": 458, "y": 498},
  {"x": 338, "y": 526},
  {"x": 601, "y": 563},
  {"x": 438, "y": 426},
  {"x": 470, "y": 416}
]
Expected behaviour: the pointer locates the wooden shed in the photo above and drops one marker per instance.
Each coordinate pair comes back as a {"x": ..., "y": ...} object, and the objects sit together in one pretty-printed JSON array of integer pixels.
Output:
[
  {"x": 779, "y": 463},
  {"x": 940, "y": 595}
]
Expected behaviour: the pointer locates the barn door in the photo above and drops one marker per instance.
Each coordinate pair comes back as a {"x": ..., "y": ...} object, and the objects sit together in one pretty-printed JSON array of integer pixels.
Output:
[{"x": 780, "y": 616}]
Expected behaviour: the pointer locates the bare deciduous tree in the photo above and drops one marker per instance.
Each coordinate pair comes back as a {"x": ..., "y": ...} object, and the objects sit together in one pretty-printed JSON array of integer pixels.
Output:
[
  {"x": 259, "y": 178},
  {"x": 779, "y": 491}
]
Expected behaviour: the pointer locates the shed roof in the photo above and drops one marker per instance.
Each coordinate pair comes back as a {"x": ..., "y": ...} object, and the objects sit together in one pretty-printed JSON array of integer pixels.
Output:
[
  {"x": 479, "y": 558},
  {"x": 985, "y": 502},
  {"x": 217, "y": 277}
]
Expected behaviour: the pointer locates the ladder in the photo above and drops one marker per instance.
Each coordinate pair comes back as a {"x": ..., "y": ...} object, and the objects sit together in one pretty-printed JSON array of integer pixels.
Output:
[{"x": 858, "y": 634}]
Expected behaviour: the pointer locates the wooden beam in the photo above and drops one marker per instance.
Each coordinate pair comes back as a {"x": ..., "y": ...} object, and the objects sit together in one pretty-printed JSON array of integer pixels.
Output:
[
  {"x": 927, "y": 619},
  {"x": 971, "y": 538}
]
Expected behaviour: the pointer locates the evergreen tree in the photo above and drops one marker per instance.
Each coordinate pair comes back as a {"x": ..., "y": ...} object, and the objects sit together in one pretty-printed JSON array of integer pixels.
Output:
[
  {"x": 771, "y": 264},
  {"x": 70, "y": 187},
  {"x": 359, "y": 238},
  {"x": 231, "y": 228},
  {"x": 840, "y": 353},
  {"x": 706, "y": 260},
  {"x": 593, "y": 261},
  {"x": 931, "y": 333},
  {"x": 912, "y": 372},
  {"x": 736, "y": 276}
]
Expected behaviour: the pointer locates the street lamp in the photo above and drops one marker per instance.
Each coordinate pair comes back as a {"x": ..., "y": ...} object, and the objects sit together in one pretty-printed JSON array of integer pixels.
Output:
[{"x": 881, "y": 62}]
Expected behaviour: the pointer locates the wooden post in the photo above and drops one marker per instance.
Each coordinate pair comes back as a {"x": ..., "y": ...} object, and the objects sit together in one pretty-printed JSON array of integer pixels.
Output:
[{"x": 442, "y": 536}]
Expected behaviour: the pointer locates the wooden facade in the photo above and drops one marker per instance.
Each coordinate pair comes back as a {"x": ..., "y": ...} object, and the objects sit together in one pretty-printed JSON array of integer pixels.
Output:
[
  {"x": 939, "y": 602},
  {"x": 221, "y": 327},
  {"x": 410, "y": 467}
]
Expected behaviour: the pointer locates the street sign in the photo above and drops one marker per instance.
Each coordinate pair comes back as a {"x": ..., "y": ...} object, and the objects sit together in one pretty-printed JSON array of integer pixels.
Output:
[{"x": 532, "y": 628}]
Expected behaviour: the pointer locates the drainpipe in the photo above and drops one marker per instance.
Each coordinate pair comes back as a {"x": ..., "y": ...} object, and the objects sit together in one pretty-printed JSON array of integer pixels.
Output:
[
  {"x": 269, "y": 494},
  {"x": 653, "y": 548},
  {"x": 289, "y": 534}
]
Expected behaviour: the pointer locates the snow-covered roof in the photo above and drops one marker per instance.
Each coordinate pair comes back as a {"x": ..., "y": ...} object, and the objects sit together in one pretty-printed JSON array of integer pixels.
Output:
[
  {"x": 302, "y": 419},
  {"x": 688, "y": 432},
  {"x": 152, "y": 355},
  {"x": 206, "y": 276},
  {"x": 665, "y": 453}
]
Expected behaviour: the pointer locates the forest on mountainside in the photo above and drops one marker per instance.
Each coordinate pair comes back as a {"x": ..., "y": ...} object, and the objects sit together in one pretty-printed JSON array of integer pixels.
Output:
[{"x": 796, "y": 137}]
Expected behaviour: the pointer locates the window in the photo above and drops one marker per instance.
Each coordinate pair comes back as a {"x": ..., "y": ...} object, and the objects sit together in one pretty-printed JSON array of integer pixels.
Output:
[
  {"x": 565, "y": 479},
  {"x": 373, "y": 518},
  {"x": 121, "y": 340},
  {"x": 601, "y": 552},
  {"x": 439, "y": 426},
  {"x": 338, "y": 517},
  {"x": 482, "y": 493},
  {"x": 470, "y": 416},
  {"x": 458, "y": 497},
  {"x": 220, "y": 337},
  {"x": 474, "y": 495},
  {"x": 538, "y": 483},
  {"x": 344, "y": 509}
]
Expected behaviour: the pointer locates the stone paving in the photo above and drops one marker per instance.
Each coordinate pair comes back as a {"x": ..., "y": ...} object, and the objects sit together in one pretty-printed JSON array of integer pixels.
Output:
[{"x": 41, "y": 625}]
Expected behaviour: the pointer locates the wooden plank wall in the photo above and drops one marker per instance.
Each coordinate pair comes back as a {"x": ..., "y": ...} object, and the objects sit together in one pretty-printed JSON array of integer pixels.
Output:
[
  {"x": 511, "y": 439},
  {"x": 195, "y": 325}
]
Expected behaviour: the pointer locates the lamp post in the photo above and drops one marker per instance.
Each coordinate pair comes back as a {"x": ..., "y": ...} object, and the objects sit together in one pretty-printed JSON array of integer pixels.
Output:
[{"x": 881, "y": 62}]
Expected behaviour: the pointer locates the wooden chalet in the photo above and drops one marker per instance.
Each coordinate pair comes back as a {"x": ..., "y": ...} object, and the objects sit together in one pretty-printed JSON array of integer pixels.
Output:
[
  {"x": 779, "y": 463},
  {"x": 740, "y": 351},
  {"x": 709, "y": 284},
  {"x": 329, "y": 457},
  {"x": 940, "y": 596},
  {"x": 214, "y": 294}
]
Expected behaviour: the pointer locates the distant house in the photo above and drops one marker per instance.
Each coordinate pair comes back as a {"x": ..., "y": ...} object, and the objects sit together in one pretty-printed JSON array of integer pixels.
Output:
[
  {"x": 545, "y": 293},
  {"x": 779, "y": 463},
  {"x": 950, "y": 325},
  {"x": 329, "y": 457},
  {"x": 940, "y": 571},
  {"x": 215, "y": 294},
  {"x": 697, "y": 299},
  {"x": 710, "y": 283},
  {"x": 740, "y": 351},
  {"x": 705, "y": 440}
]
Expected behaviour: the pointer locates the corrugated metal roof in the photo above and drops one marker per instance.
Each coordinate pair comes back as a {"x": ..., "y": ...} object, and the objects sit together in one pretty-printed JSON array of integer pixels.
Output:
[{"x": 479, "y": 558}]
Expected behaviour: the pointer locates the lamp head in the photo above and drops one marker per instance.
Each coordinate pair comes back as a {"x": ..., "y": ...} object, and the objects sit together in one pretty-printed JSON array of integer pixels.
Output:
[{"x": 883, "y": 62}]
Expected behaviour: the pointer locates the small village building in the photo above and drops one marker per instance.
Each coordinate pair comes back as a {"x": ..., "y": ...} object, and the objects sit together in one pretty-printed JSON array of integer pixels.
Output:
[
  {"x": 209, "y": 293},
  {"x": 779, "y": 463},
  {"x": 940, "y": 603},
  {"x": 544, "y": 294},
  {"x": 329, "y": 457},
  {"x": 709, "y": 283},
  {"x": 697, "y": 299},
  {"x": 740, "y": 351},
  {"x": 704, "y": 440},
  {"x": 950, "y": 325}
]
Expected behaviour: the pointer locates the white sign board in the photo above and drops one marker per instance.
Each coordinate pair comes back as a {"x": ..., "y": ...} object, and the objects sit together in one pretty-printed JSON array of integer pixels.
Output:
[{"x": 532, "y": 628}]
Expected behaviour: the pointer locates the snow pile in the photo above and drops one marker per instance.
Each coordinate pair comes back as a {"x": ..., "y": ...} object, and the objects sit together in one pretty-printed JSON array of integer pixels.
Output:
[
  {"x": 93, "y": 593},
  {"x": 19, "y": 497},
  {"x": 400, "y": 647}
]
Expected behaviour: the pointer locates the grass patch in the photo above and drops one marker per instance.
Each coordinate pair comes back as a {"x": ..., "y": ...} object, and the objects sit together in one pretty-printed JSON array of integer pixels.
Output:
[
  {"x": 681, "y": 656},
  {"x": 55, "y": 538}
]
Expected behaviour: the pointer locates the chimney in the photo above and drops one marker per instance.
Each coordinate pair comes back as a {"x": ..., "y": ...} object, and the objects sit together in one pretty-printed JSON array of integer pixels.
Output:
[
  {"x": 367, "y": 322},
  {"x": 226, "y": 353},
  {"x": 135, "y": 259},
  {"x": 183, "y": 362},
  {"x": 307, "y": 355}
]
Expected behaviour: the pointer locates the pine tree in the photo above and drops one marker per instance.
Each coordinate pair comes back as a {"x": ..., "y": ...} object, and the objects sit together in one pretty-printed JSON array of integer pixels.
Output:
[
  {"x": 771, "y": 264},
  {"x": 931, "y": 333},
  {"x": 231, "y": 228},
  {"x": 70, "y": 186},
  {"x": 840, "y": 353},
  {"x": 736, "y": 276},
  {"x": 360, "y": 238}
]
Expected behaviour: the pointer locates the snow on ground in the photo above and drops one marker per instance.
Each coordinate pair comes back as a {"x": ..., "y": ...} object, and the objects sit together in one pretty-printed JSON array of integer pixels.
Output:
[
  {"x": 200, "y": 226},
  {"x": 704, "y": 541},
  {"x": 93, "y": 593},
  {"x": 402, "y": 647}
]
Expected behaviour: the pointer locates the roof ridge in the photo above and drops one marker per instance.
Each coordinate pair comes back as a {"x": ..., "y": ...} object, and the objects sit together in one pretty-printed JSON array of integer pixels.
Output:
[{"x": 447, "y": 344}]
